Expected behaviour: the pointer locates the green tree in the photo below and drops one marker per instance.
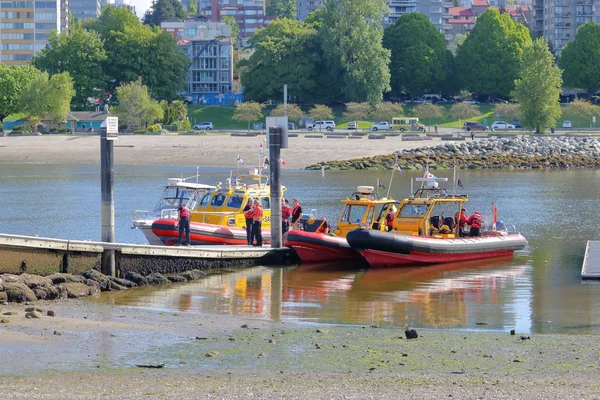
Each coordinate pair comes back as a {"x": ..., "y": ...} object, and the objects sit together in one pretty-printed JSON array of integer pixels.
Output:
[
  {"x": 464, "y": 111},
  {"x": 164, "y": 10},
  {"x": 136, "y": 106},
  {"x": 284, "y": 53},
  {"x": 580, "y": 59},
  {"x": 281, "y": 8},
  {"x": 193, "y": 8},
  {"x": 80, "y": 53},
  {"x": 428, "y": 111},
  {"x": 489, "y": 59},
  {"x": 47, "y": 95},
  {"x": 351, "y": 37},
  {"x": 582, "y": 109},
  {"x": 320, "y": 112},
  {"x": 293, "y": 112},
  {"x": 386, "y": 111},
  {"x": 356, "y": 111},
  {"x": 538, "y": 88},
  {"x": 420, "y": 61},
  {"x": 248, "y": 111},
  {"x": 13, "y": 80}
]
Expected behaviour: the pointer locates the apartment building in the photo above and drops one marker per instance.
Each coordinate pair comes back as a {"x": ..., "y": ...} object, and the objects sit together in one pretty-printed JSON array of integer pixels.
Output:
[
  {"x": 24, "y": 26},
  {"x": 209, "y": 47},
  {"x": 561, "y": 18},
  {"x": 249, "y": 14},
  {"x": 305, "y": 7},
  {"x": 85, "y": 9}
]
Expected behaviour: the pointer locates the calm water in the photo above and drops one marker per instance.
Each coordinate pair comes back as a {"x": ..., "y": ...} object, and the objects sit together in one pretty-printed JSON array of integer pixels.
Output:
[{"x": 540, "y": 290}]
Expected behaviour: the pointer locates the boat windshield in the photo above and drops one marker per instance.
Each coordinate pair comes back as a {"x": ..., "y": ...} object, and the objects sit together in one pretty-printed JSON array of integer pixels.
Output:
[
  {"x": 173, "y": 197},
  {"x": 353, "y": 213},
  {"x": 413, "y": 210},
  {"x": 235, "y": 202}
]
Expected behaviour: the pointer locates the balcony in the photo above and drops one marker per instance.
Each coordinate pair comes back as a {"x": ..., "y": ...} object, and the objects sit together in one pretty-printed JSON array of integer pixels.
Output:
[{"x": 446, "y": 27}]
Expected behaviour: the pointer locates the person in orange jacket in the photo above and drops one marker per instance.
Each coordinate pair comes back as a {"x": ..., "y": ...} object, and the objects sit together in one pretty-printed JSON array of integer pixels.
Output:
[
  {"x": 248, "y": 214},
  {"x": 184, "y": 225},
  {"x": 257, "y": 216},
  {"x": 286, "y": 212},
  {"x": 461, "y": 221},
  {"x": 475, "y": 222}
]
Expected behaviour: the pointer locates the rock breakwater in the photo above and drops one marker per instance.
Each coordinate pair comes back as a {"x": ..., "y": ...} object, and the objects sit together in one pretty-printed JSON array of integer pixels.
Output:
[{"x": 526, "y": 152}]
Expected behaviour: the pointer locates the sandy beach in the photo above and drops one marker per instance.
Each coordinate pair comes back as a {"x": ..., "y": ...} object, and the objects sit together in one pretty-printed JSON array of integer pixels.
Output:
[{"x": 212, "y": 149}]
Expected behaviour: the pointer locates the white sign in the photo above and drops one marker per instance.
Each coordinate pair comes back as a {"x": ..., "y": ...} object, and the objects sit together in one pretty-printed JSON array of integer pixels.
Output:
[
  {"x": 594, "y": 119},
  {"x": 112, "y": 125}
]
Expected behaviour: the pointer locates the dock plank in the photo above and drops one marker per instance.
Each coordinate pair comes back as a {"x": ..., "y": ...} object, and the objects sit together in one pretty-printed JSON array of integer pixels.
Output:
[{"x": 591, "y": 260}]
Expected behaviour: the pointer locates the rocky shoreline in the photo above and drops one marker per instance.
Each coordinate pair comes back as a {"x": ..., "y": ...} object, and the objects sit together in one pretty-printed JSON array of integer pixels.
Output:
[
  {"x": 526, "y": 152},
  {"x": 27, "y": 287}
]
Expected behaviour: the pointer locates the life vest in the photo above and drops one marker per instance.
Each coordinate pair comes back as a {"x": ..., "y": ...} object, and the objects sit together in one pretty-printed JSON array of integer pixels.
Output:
[
  {"x": 296, "y": 212},
  {"x": 285, "y": 213},
  {"x": 250, "y": 213},
  {"x": 258, "y": 213},
  {"x": 475, "y": 220},
  {"x": 389, "y": 219},
  {"x": 184, "y": 212},
  {"x": 461, "y": 220}
]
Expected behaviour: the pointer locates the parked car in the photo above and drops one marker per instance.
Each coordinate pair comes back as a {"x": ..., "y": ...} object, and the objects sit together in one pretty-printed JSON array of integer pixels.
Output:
[
  {"x": 516, "y": 122},
  {"x": 381, "y": 126},
  {"x": 352, "y": 125},
  {"x": 430, "y": 98},
  {"x": 474, "y": 126},
  {"x": 441, "y": 102},
  {"x": 566, "y": 124},
  {"x": 468, "y": 101},
  {"x": 203, "y": 126},
  {"x": 292, "y": 126},
  {"x": 502, "y": 125},
  {"x": 328, "y": 125}
]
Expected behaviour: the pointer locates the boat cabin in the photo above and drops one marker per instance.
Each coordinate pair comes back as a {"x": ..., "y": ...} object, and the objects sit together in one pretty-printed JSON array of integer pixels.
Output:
[
  {"x": 429, "y": 212},
  {"x": 178, "y": 192},
  {"x": 363, "y": 208}
]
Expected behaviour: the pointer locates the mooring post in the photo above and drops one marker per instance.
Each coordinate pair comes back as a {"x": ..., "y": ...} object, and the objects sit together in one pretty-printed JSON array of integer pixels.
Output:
[
  {"x": 275, "y": 169},
  {"x": 107, "y": 135}
]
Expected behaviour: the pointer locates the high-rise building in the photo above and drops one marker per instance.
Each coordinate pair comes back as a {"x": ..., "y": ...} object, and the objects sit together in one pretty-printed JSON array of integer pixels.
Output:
[
  {"x": 561, "y": 18},
  {"x": 248, "y": 14},
  {"x": 305, "y": 7},
  {"x": 24, "y": 26},
  {"x": 85, "y": 9}
]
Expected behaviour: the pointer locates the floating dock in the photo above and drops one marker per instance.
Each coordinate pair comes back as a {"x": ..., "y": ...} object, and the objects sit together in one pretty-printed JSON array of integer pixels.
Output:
[
  {"x": 591, "y": 260},
  {"x": 45, "y": 256}
]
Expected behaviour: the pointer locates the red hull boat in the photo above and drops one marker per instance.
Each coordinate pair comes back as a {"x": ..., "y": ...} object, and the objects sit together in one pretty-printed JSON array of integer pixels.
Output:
[{"x": 314, "y": 247}]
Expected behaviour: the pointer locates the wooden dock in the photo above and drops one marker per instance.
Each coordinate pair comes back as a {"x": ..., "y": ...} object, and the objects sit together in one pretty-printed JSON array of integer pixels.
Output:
[
  {"x": 591, "y": 260},
  {"x": 47, "y": 255}
]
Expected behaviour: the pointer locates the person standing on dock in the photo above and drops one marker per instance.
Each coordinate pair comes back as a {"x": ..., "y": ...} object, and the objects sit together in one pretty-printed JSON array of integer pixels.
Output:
[
  {"x": 184, "y": 225},
  {"x": 286, "y": 211},
  {"x": 257, "y": 226},
  {"x": 249, "y": 215},
  {"x": 475, "y": 221},
  {"x": 296, "y": 214}
]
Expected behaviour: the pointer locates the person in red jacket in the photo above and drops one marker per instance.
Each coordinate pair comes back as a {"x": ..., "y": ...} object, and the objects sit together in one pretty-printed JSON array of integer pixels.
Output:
[
  {"x": 184, "y": 224},
  {"x": 475, "y": 222},
  {"x": 257, "y": 216},
  {"x": 296, "y": 214},
  {"x": 248, "y": 214},
  {"x": 461, "y": 221},
  {"x": 286, "y": 212}
]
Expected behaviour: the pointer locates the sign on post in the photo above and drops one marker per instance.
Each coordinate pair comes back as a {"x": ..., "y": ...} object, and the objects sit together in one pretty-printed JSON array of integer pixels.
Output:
[
  {"x": 111, "y": 124},
  {"x": 281, "y": 122}
]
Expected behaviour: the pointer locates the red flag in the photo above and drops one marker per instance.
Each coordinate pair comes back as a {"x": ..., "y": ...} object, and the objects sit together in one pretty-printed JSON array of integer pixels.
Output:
[{"x": 282, "y": 162}]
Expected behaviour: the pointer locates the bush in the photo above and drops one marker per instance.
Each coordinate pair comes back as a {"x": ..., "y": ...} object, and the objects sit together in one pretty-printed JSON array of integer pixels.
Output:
[
  {"x": 171, "y": 128},
  {"x": 20, "y": 129},
  {"x": 140, "y": 129},
  {"x": 155, "y": 128},
  {"x": 184, "y": 125}
]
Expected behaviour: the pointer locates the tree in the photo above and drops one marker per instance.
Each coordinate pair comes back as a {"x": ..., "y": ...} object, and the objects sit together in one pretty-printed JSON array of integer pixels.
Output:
[
  {"x": 356, "y": 111},
  {"x": 508, "y": 110},
  {"x": 281, "y": 8},
  {"x": 45, "y": 95},
  {"x": 387, "y": 111},
  {"x": 463, "y": 111},
  {"x": 164, "y": 10},
  {"x": 489, "y": 59},
  {"x": 248, "y": 111},
  {"x": 80, "y": 53},
  {"x": 13, "y": 80},
  {"x": 136, "y": 107},
  {"x": 538, "y": 87},
  {"x": 285, "y": 51},
  {"x": 351, "y": 37},
  {"x": 581, "y": 108},
  {"x": 320, "y": 111},
  {"x": 420, "y": 61},
  {"x": 193, "y": 7},
  {"x": 580, "y": 59},
  {"x": 293, "y": 112},
  {"x": 428, "y": 111}
]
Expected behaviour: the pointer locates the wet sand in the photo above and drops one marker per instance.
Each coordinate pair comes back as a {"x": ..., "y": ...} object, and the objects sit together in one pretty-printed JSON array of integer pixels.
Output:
[
  {"x": 92, "y": 350},
  {"x": 213, "y": 149}
]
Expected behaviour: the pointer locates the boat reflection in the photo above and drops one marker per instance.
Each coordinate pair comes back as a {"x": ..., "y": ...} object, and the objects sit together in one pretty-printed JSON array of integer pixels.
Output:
[{"x": 452, "y": 296}]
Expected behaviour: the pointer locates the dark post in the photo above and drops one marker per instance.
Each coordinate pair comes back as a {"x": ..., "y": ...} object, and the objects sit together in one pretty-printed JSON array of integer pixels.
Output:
[
  {"x": 275, "y": 169},
  {"x": 108, "y": 203}
]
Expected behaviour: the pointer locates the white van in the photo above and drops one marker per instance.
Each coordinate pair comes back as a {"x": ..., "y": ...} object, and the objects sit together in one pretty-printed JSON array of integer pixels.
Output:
[{"x": 430, "y": 98}]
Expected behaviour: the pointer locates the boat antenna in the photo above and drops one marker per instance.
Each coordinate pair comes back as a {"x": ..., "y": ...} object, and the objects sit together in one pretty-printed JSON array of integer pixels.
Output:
[
  {"x": 230, "y": 178},
  {"x": 392, "y": 176},
  {"x": 454, "y": 182},
  {"x": 322, "y": 171},
  {"x": 197, "y": 173}
]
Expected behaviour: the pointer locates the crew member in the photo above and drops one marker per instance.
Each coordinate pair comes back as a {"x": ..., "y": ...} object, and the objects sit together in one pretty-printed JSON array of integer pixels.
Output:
[
  {"x": 461, "y": 221},
  {"x": 184, "y": 224},
  {"x": 257, "y": 216},
  {"x": 389, "y": 218},
  {"x": 475, "y": 221},
  {"x": 296, "y": 214},
  {"x": 248, "y": 214},
  {"x": 286, "y": 211}
]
